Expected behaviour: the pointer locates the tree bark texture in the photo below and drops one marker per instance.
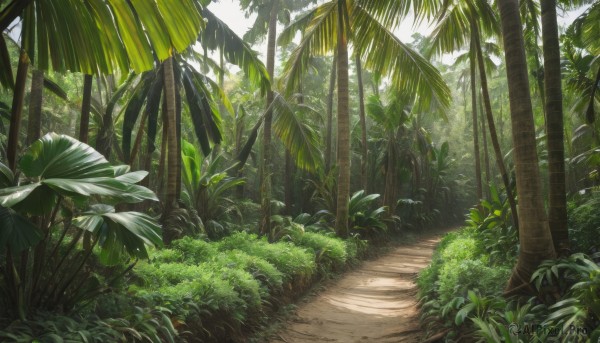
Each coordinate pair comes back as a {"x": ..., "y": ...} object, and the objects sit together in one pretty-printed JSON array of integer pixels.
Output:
[
  {"x": 557, "y": 199},
  {"x": 534, "y": 234}
]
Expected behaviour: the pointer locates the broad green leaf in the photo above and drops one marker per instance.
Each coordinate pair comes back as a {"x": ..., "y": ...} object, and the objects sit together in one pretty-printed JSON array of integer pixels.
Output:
[
  {"x": 183, "y": 21},
  {"x": 154, "y": 26},
  {"x": 6, "y": 176},
  {"x": 120, "y": 234},
  {"x": 14, "y": 195},
  {"x": 132, "y": 35},
  {"x": 140, "y": 224},
  {"x": 60, "y": 156},
  {"x": 133, "y": 177},
  {"x": 17, "y": 232}
]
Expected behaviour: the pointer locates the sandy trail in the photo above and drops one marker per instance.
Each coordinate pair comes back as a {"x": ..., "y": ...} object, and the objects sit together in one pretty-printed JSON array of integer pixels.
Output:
[{"x": 375, "y": 303}]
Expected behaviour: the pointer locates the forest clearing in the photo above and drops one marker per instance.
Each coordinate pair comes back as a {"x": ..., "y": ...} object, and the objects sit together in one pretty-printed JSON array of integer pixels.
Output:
[{"x": 188, "y": 171}]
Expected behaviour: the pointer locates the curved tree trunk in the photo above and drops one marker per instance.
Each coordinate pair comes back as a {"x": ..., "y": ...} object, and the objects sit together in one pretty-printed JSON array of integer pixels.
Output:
[
  {"x": 363, "y": 127},
  {"x": 492, "y": 129},
  {"x": 534, "y": 235},
  {"x": 329, "y": 134},
  {"x": 265, "y": 188},
  {"x": 34, "y": 123},
  {"x": 17, "y": 111},
  {"x": 343, "y": 120},
  {"x": 557, "y": 199},
  {"x": 475, "y": 122},
  {"x": 172, "y": 144}
]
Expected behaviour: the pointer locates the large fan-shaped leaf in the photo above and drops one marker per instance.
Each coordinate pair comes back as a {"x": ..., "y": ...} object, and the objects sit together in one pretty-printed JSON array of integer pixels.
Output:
[
  {"x": 60, "y": 156},
  {"x": 17, "y": 232},
  {"x": 120, "y": 234}
]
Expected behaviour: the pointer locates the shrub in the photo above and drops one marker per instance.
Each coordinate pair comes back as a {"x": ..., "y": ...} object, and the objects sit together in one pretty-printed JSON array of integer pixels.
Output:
[
  {"x": 330, "y": 252},
  {"x": 270, "y": 278},
  {"x": 195, "y": 250},
  {"x": 457, "y": 277},
  {"x": 584, "y": 224},
  {"x": 290, "y": 260}
]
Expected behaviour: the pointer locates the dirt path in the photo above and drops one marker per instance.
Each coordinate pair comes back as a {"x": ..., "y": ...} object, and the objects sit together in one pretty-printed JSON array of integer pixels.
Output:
[{"x": 375, "y": 303}]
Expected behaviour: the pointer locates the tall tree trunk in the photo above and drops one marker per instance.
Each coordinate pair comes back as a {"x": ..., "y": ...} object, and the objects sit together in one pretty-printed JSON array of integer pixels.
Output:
[
  {"x": 557, "y": 199},
  {"x": 329, "y": 134},
  {"x": 363, "y": 127},
  {"x": 290, "y": 169},
  {"x": 265, "y": 188},
  {"x": 534, "y": 234},
  {"x": 343, "y": 121},
  {"x": 475, "y": 122},
  {"x": 34, "y": 124},
  {"x": 17, "y": 111},
  {"x": 486, "y": 155},
  {"x": 86, "y": 105},
  {"x": 389, "y": 193},
  {"x": 171, "y": 121},
  {"x": 492, "y": 129}
]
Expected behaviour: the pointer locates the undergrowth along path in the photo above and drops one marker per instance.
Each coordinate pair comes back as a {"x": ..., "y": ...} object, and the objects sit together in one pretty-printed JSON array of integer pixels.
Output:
[{"x": 375, "y": 303}]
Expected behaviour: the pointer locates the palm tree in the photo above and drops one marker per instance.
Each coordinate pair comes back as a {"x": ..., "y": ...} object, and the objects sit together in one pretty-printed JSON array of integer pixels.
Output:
[
  {"x": 392, "y": 118},
  {"x": 534, "y": 235},
  {"x": 462, "y": 20},
  {"x": 363, "y": 126},
  {"x": 266, "y": 24},
  {"x": 179, "y": 76},
  {"x": 368, "y": 26},
  {"x": 94, "y": 37}
]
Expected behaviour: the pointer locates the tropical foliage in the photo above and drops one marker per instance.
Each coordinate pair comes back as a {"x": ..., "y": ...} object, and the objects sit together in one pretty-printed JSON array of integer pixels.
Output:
[{"x": 165, "y": 221}]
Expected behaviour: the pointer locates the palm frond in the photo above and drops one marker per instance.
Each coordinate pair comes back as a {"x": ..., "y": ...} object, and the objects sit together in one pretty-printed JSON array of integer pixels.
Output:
[
  {"x": 217, "y": 35},
  {"x": 409, "y": 71},
  {"x": 298, "y": 137},
  {"x": 320, "y": 37}
]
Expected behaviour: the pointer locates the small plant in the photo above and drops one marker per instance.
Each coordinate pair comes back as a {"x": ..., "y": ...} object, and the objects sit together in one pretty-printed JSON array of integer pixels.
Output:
[
  {"x": 205, "y": 190},
  {"x": 365, "y": 217}
]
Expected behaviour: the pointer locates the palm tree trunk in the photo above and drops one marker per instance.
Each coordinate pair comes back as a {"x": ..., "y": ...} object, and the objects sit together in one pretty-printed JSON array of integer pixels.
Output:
[
  {"x": 534, "y": 234},
  {"x": 265, "y": 188},
  {"x": 492, "y": 129},
  {"x": 171, "y": 121},
  {"x": 475, "y": 124},
  {"x": 343, "y": 121},
  {"x": 363, "y": 126},
  {"x": 86, "y": 105},
  {"x": 389, "y": 193},
  {"x": 17, "y": 111},
  {"x": 34, "y": 124},
  {"x": 557, "y": 200},
  {"x": 328, "y": 137},
  {"x": 486, "y": 155}
]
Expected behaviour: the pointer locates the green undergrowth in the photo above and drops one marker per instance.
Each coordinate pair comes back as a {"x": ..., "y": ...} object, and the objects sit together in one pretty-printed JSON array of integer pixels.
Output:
[
  {"x": 221, "y": 291},
  {"x": 461, "y": 292}
]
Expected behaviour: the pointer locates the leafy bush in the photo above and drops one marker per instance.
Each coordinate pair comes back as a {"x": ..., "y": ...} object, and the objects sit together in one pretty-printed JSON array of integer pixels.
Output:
[
  {"x": 458, "y": 277},
  {"x": 584, "y": 224},
  {"x": 292, "y": 261},
  {"x": 330, "y": 252},
  {"x": 270, "y": 278}
]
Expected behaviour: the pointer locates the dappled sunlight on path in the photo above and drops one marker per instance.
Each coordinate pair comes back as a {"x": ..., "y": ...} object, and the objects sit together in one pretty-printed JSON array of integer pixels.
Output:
[{"x": 375, "y": 303}]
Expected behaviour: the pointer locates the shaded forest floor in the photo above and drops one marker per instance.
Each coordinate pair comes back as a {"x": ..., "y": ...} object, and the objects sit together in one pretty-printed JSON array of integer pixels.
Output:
[{"x": 377, "y": 302}]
